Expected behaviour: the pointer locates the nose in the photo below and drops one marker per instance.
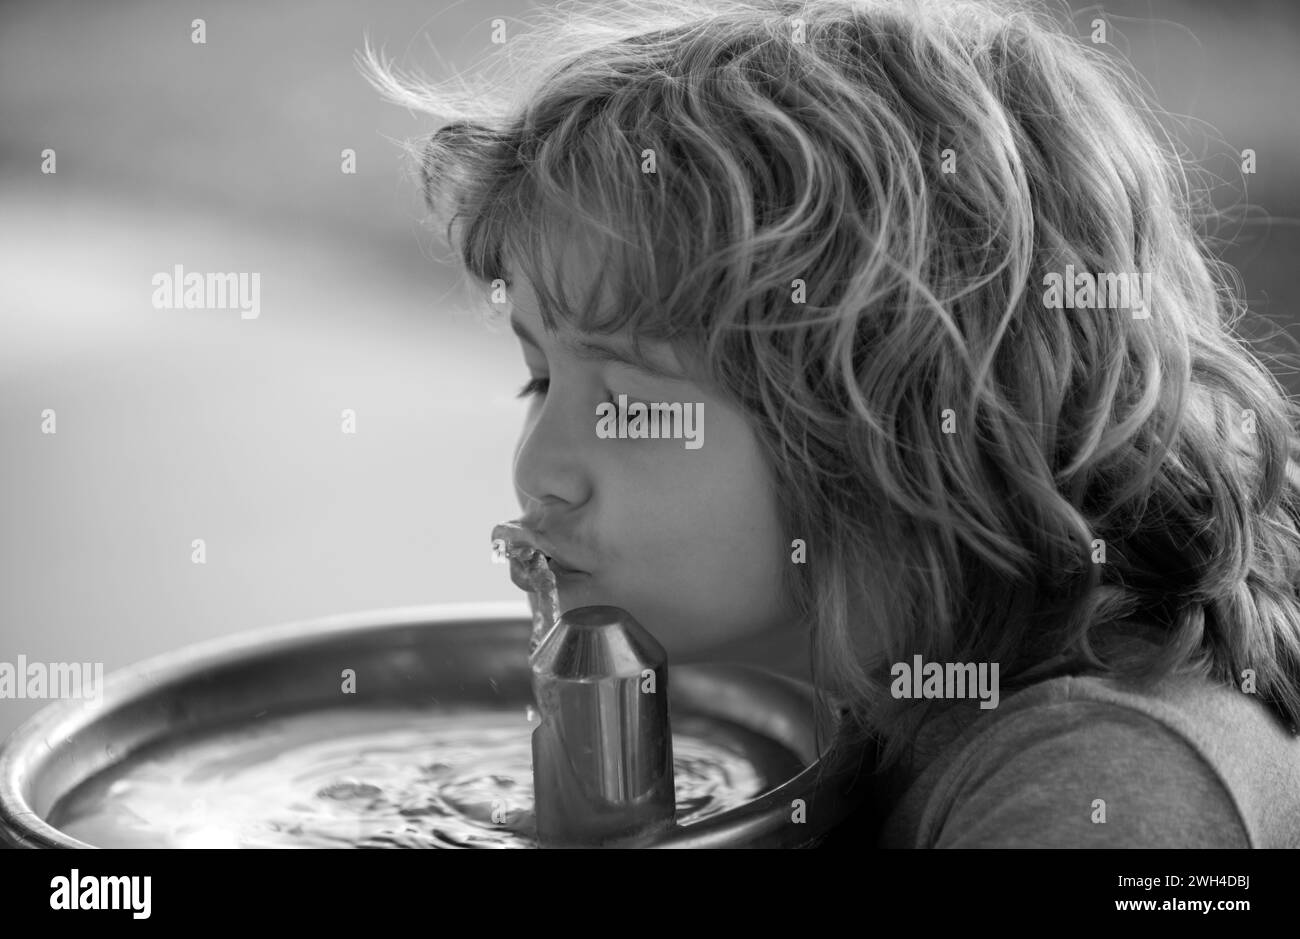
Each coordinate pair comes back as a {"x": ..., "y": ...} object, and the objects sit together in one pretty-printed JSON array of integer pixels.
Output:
[{"x": 550, "y": 465}]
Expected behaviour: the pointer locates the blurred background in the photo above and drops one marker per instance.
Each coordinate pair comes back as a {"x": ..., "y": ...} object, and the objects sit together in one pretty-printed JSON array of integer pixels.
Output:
[{"x": 175, "y": 425}]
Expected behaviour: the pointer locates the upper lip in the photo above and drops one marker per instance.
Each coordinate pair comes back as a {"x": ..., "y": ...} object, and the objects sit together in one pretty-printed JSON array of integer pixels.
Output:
[{"x": 547, "y": 548}]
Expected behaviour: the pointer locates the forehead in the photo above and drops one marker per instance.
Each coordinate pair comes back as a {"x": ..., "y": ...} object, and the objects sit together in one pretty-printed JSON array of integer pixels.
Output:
[
  {"x": 584, "y": 267},
  {"x": 574, "y": 260}
]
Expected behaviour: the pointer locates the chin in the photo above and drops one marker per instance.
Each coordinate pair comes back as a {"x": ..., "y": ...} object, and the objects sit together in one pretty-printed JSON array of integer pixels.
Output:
[
  {"x": 679, "y": 644},
  {"x": 576, "y": 594}
]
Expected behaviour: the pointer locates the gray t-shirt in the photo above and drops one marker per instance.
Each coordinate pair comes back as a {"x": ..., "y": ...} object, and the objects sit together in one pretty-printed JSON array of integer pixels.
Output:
[{"x": 1186, "y": 765}]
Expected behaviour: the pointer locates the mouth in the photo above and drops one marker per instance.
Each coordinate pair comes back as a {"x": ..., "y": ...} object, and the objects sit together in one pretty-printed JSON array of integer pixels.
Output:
[
  {"x": 523, "y": 538},
  {"x": 556, "y": 563},
  {"x": 560, "y": 569}
]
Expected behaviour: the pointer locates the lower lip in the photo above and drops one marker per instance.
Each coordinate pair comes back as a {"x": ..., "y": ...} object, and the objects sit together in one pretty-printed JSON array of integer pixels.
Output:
[{"x": 563, "y": 573}]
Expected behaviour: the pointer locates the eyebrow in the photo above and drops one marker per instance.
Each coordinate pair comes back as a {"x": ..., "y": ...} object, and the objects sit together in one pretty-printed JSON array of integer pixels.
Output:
[{"x": 596, "y": 352}]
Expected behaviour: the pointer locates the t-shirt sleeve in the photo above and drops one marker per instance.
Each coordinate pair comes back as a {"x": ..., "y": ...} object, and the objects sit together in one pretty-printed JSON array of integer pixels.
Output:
[{"x": 1083, "y": 774}]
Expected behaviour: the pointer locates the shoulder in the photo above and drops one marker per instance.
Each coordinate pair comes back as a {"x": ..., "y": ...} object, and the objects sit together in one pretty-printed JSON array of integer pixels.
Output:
[{"x": 1085, "y": 762}]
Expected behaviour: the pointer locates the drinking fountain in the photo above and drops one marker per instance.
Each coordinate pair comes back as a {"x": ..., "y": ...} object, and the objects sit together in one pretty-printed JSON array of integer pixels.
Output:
[{"x": 416, "y": 726}]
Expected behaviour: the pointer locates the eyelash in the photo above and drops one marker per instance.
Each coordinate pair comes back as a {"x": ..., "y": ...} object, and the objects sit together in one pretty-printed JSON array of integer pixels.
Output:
[
  {"x": 535, "y": 386},
  {"x": 539, "y": 386}
]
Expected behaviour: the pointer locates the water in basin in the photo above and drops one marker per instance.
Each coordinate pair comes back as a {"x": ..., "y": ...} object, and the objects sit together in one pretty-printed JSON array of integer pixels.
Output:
[{"x": 377, "y": 778}]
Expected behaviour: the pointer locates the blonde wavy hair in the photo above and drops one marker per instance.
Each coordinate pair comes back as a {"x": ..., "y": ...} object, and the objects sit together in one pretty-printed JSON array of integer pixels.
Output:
[{"x": 803, "y": 245}]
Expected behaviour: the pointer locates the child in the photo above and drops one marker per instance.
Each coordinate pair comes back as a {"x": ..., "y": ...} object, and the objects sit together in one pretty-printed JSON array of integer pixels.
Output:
[{"x": 984, "y": 459}]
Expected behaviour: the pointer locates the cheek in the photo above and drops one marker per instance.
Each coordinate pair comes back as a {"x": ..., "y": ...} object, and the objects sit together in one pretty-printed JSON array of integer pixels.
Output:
[
  {"x": 520, "y": 439},
  {"x": 733, "y": 551},
  {"x": 737, "y": 589},
  {"x": 711, "y": 512},
  {"x": 708, "y": 560},
  {"x": 704, "y": 596}
]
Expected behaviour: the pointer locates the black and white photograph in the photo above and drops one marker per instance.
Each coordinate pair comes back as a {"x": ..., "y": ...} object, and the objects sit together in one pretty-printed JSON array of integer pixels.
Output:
[{"x": 597, "y": 425}]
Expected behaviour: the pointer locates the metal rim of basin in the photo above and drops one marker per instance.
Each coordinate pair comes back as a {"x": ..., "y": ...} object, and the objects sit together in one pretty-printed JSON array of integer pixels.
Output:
[{"x": 147, "y": 696}]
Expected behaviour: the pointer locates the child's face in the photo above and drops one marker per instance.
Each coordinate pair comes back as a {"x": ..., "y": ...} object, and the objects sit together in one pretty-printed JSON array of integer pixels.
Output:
[{"x": 686, "y": 540}]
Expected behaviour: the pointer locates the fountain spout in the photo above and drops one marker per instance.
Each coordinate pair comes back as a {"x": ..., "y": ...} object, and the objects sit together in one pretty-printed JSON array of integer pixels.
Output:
[{"x": 603, "y": 754}]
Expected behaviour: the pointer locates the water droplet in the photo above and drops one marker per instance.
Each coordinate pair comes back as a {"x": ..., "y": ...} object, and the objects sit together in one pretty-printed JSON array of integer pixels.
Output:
[
  {"x": 530, "y": 714},
  {"x": 348, "y": 789}
]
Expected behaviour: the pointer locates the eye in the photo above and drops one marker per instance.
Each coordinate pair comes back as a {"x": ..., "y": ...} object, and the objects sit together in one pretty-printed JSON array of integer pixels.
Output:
[{"x": 535, "y": 386}]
